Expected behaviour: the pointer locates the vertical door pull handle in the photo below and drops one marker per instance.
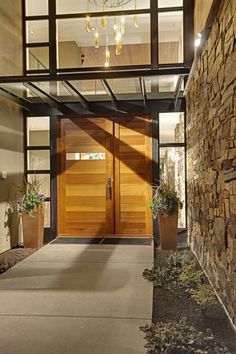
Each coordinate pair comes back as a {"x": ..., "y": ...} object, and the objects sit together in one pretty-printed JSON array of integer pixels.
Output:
[{"x": 109, "y": 189}]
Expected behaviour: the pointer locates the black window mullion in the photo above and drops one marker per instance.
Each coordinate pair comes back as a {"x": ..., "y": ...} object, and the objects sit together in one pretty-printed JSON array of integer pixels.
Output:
[
  {"x": 154, "y": 34},
  {"x": 52, "y": 37}
]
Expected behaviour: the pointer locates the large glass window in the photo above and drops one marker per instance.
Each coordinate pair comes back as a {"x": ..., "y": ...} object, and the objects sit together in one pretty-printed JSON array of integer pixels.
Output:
[
  {"x": 125, "y": 41},
  {"x": 172, "y": 171},
  {"x": 38, "y": 131},
  {"x": 172, "y": 158},
  {"x": 37, "y": 31},
  {"x": 38, "y": 160},
  {"x": 38, "y": 157},
  {"x": 170, "y": 3},
  {"x": 37, "y": 58},
  {"x": 171, "y": 127},
  {"x": 36, "y": 8},
  {"x": 170, "y": 37},
  {"x": 89, "y": 6}
]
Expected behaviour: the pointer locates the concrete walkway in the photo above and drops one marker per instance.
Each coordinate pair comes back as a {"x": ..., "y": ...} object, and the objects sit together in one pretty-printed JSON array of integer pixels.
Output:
[{"x": 76, "y": 299}]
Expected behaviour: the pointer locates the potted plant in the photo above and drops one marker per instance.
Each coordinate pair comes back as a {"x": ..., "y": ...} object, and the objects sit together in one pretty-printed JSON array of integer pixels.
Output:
[
  {"x": 30, "y": 204},
  {"x": 165, "y": 204}
]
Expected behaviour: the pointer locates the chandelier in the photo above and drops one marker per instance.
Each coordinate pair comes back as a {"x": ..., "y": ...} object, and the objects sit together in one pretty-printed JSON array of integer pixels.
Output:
[
  {"x": 109, "y": 3},
  {"x": 116, "y": 31}
]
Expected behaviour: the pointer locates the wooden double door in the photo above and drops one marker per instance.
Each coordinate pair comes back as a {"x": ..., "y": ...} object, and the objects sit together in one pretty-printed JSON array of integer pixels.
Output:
[{"x": 104, "y": 177}]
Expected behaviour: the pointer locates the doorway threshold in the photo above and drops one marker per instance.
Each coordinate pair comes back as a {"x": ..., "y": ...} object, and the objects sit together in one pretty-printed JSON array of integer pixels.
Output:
[{"x": 104, "y": 241}]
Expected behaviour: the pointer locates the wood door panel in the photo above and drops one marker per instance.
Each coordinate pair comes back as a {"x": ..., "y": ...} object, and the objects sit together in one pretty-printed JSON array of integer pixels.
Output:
[
  {"x": 83, "y": 205},
  {"x": 133, "y": 176},
  {"x": 84, "y": 208}
]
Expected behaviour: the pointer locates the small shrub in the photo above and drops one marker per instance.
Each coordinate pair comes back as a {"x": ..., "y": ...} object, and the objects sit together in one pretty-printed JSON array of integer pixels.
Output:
[
  {"x": 168, "y": 277},
  {"x": 203, "y": 295},
  {"x": 180, "y": 338},
  {"x": 4, "y": 267},
  {"x": 190, "y": 275}
]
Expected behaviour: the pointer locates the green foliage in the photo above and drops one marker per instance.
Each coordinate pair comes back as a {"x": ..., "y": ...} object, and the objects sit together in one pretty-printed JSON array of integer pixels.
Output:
[
  {"x": 180, "y": 338},
  {"x": 165, "y": 200},
  {"x": 6, "y": 265},
  {"x": 203, "y": 295},
  {"x": 168, "y": 277},
  {"x": 181, "y": 271},
  {"x": 190, "y": 275},
  {"x": 28, "y": 197}
]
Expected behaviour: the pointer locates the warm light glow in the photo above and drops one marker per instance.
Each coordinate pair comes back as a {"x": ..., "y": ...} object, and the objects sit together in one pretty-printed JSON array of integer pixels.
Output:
[
  {"x": 88, "y": 25},
  {"x": 136, "y": 21},
  {"x": 118, "y": 47},
  {"x": 122, "y": 25},
  {"x": 197, "y": 41},
  {"x": 96, "y": 43},
  {"x": 118, "y": 36},
  {"x": 103, "y": 23}
]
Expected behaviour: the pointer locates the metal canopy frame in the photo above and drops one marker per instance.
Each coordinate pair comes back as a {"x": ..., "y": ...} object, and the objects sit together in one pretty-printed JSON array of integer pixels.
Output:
[{"x": 60, "y": 103}]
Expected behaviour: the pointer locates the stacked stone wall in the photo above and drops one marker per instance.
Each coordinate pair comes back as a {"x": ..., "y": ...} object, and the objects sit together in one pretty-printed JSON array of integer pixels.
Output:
[{"x": 211, "y": 143}]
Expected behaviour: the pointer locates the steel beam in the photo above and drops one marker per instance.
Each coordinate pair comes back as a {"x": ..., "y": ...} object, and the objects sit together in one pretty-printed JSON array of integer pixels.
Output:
[
  {"x": 97, "y": 75},
  {"x": 75, "y": 92},
  {"x": 143, "y": 91},
  {"x": 110, "y": 93},
  {"x": 24, "y": 103}
]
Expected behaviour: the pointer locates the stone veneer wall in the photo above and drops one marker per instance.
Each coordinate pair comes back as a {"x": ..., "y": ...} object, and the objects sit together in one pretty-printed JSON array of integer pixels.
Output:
[{"x": 211, "y": 141}]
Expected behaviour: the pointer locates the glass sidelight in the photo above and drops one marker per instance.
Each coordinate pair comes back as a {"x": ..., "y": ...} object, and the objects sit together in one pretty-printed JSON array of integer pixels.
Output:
[
  {"x": 172, "y": 151},
  {"x": 38, "y": 157}
]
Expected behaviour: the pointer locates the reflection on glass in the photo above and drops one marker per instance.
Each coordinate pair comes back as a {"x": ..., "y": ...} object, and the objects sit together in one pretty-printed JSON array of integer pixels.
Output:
[
  {"x": 44, "y": 180},
  {"x": 72, "y": 6},
  {"x": 170, "y": 3},
  {"x": 85, "y": 156},
  {"x": 165, "y": 83},
  {"x": 17, "y": 88},
  {"x": 78, "y": 47},
  {"x": 172, "y": 171},
  {"x": 35, "y": 8},
  {"x": 89, "y": 87},
  {"x": 170, "y": 27},
  {"x": 38, "y": 160},
  {"x": 47, "y": 216},
  {"x": 38, "y": 131},
  {"x": 171, "y": 127},
  {"x": 130, "y": 85},
  {"x": 37, "y": 31},
  {"x": 37, "y": 58}
]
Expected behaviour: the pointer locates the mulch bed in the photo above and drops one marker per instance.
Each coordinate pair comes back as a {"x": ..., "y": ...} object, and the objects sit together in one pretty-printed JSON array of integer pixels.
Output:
[
  {"x": 11, "y": 257},
  {"x": 174, "y": 305}
]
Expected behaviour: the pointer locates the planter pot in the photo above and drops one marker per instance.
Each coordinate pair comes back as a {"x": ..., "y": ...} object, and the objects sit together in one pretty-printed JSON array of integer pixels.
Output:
[
  {"x": 168, "y": 227},
  {"x": 33, "y": 228}
]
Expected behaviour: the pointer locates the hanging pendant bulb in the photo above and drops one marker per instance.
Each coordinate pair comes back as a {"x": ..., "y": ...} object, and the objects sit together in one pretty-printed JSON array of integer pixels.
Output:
[
  {"x": 122, "y": 25},
  {"x": 115, "y": 28},
  {"x": 103, "y": 19},
  {"x": 118, "y": 43},
  {"x": 96, "y": 35},
  {"x": 118, "y": 47},
  {"x": 103, "y": 23},
  {"x": 107, "y": 54},
  {"x": 88, "y": 24},
  {"x": 136, "y": 21},
  {"x": 96, "y": 42}
]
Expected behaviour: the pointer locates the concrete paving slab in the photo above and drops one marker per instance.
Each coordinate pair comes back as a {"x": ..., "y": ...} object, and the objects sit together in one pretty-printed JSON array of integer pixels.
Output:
[
  {"x": 72, "y": 287},
  {"x": 67, "y": 335},
  {"x": 94, "y": 253},
  {"x": 76, "y": 288}
]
